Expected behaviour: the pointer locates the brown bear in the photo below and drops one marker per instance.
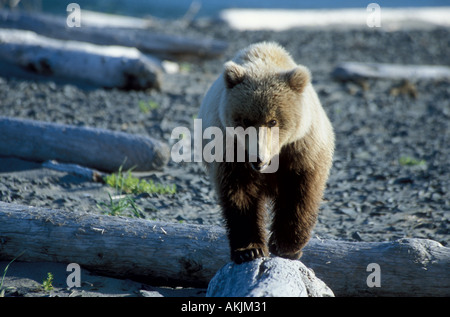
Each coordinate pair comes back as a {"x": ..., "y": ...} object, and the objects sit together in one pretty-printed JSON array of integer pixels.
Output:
[{"x": 262, "y": 87}]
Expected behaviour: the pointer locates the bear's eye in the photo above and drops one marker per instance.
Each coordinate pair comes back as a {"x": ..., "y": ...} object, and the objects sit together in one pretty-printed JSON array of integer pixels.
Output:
[{"x": 272, "y": 123}]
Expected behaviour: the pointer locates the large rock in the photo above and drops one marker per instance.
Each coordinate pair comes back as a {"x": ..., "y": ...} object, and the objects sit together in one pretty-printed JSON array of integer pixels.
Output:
[{"x": 267, "y": 277}]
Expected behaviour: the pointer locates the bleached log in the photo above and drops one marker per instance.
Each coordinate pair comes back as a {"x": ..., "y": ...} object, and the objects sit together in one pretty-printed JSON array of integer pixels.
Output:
[
  {"x": 407, "y": 267},
  {"x": 100, "y": 149},
  {"x": 185, "y": 254},
  {"x": 105, "y": 66},
  {"x": 356, "y": 70},
  {"x": 165, "y": 253},
  {"x": 267, "y": 277},
  {"x": 108, "y": 20},
  {"x": 284, "y": 19},
  {"x": 161, "y": 45}
]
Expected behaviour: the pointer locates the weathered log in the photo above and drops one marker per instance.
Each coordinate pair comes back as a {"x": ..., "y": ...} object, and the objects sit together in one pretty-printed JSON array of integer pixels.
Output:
[
  {"x": 105, "y": 66},
  {"x": 267, "y": 277},
  {"x": 108, "y": 20},
  {"x": 116, "y": 246},
  {"x": 406, "y": 267},
  {"x": 284, "y": 19},
  {"x": 91, "y": 147},
  {"x": 356, "y": 70},
  {"x": 185, "y": 254},
  {"x": 161, "y": 45}
]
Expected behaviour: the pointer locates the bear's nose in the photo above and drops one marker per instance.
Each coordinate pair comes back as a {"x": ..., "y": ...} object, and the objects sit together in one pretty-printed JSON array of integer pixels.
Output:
[{"x": 259, "y": 165}]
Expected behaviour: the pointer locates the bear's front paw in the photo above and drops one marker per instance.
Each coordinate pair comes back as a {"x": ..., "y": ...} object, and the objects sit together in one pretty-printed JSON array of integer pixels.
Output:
[{"x": 247, "y": 254}]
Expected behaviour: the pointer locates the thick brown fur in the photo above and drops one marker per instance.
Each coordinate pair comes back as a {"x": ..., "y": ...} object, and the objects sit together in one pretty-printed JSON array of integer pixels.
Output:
[{"x": 263, "y": 85}]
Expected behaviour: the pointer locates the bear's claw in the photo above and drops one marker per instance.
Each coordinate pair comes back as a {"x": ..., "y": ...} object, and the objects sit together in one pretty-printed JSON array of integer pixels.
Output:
[{"x": 244, "y": 255}]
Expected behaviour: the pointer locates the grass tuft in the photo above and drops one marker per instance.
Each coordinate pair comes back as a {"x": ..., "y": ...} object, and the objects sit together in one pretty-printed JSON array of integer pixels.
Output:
[
  {"x": 132, "y": 185},
  {"x": 117, "y": 206},
  {"x": 409, "y": 161},
  {"x": 127, "y": 185},
  {"x": 2, "y": 290},
  {"x": 147, "y": 106}
]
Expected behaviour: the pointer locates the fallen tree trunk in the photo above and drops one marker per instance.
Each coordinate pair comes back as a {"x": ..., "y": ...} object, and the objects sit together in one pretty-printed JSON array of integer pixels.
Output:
[
  {"x": 185, "y": 254},
  {"x": 96, "y": 148},
  {"x": 117, "y": 246},
  {"x": 356, "y": 70},
  {"x": 161, "y": 45},
  {"x": 105, "y": 66},
  {"x": 406, "y": 267}
]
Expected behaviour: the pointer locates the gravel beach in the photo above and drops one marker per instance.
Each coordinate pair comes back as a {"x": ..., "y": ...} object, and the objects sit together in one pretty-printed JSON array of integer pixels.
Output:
[{"x": 391, "y": 173}]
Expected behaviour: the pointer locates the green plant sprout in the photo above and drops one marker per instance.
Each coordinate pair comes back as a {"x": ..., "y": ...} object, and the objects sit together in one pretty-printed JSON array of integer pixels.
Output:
[
  {"x": 409, "y": 161},
  {"x": 147, "y": 106},
  {"x": 185, "y": 67},
  {"x": 47, "y": 283}
]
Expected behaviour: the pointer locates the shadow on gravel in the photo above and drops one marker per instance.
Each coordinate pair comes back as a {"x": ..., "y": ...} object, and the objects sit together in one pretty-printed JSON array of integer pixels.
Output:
[{"x": 10, "y": 164}]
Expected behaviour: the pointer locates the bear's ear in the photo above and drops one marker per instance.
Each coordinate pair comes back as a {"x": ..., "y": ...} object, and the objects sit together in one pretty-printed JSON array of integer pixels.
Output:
[
  {"x": 234, "y": 74},
  {"x": 298, "y": 78}
]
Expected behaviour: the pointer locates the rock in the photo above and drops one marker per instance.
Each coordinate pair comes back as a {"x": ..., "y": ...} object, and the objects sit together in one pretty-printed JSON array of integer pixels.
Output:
[
  {"x": 145, "y": 293},
  {"x": 267, "y": 277}
]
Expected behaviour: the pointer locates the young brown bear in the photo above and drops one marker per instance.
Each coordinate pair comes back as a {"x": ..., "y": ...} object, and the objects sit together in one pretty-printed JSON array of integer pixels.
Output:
[{"x": 262, "y": 87}]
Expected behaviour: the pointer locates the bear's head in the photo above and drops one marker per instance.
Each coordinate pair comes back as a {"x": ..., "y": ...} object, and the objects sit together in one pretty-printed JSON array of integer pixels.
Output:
[{"x": 271, "y": 103}]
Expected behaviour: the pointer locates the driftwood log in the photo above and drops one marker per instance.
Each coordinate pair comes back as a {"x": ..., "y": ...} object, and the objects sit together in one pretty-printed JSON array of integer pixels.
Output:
[
  {"x": 161, "y": 45},
  {"x": 91, "y": 147},
  {"x": 185, "y": 254},
  {"x": 356, "y": 70},
  {"x": 406, "y": 267},
  {"x": 116, "y": 246},
  {"x": 284, "y": 19},
  {"x": 267, "y": 277},
  {"x": 105, "y": 66}
]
